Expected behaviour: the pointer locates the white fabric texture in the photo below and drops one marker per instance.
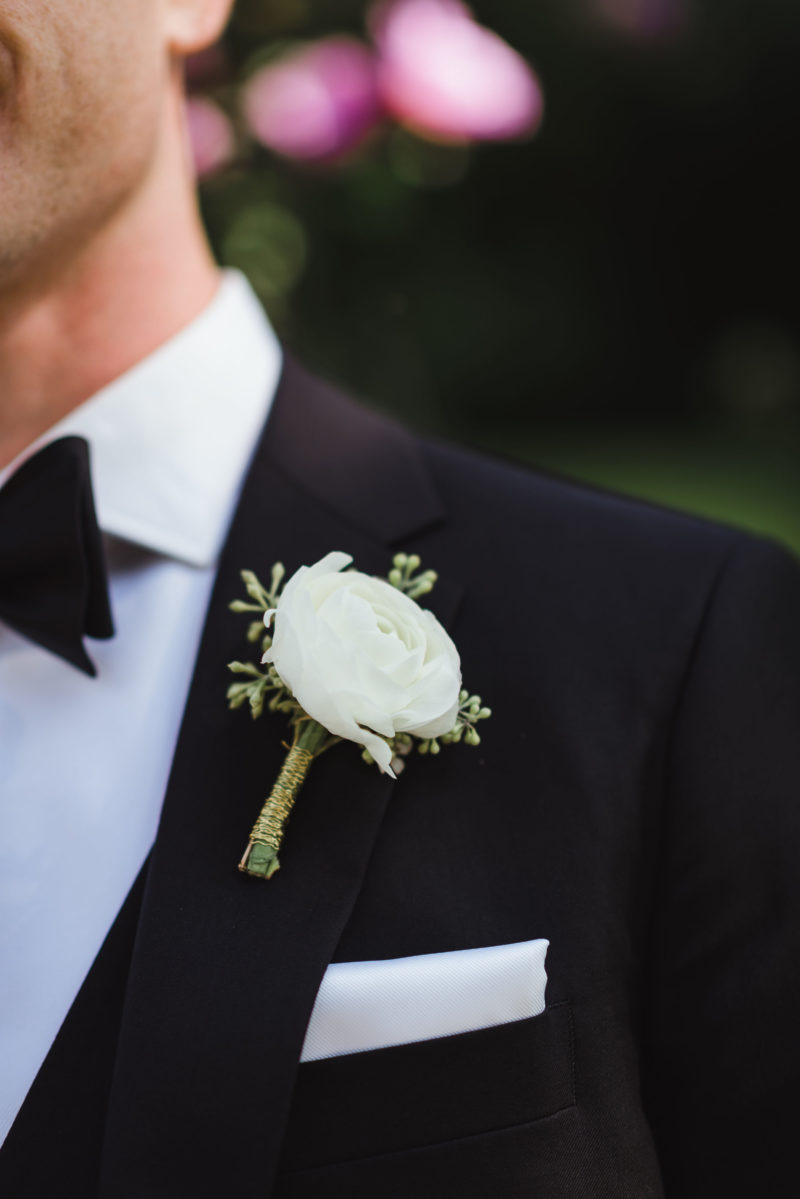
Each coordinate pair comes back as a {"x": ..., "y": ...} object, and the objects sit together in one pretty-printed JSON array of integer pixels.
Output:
[
  {"x": 84, "y": 762},
  {"x": 371, "y": 1005}
]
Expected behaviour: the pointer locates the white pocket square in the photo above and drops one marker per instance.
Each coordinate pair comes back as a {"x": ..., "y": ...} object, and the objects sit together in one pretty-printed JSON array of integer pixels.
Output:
[{"x": 371, "y": 1005}]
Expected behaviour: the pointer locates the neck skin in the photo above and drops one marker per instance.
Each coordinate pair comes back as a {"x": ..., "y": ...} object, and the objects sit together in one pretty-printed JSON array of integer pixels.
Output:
[{"x": 71, "y": 328}]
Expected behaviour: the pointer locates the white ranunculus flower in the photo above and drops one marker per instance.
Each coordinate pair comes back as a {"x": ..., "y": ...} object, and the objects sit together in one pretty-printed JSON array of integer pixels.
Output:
[{"x": 361, "y": 658}]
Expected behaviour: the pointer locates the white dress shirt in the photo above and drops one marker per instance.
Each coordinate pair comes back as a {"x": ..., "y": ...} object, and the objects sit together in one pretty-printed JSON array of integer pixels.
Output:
[{"x": 84, "y": 762}]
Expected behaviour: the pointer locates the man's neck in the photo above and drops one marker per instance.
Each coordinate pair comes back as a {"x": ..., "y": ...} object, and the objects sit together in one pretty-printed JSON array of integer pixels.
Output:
[{"x": 68, "y": 330}]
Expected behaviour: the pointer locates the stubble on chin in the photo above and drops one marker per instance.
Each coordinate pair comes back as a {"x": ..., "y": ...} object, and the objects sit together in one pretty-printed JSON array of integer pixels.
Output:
[
  {"x": 9, "y": 168},
  {"x": 36, "y": 182},
  {"x": 10, "y": 81}
]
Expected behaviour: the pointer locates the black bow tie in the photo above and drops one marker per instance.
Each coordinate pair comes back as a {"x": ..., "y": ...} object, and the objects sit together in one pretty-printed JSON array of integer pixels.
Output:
[{"x": 53, "y": 584}]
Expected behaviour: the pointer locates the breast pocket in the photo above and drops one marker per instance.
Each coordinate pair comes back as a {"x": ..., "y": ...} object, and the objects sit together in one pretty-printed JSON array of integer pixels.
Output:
[{"x": 413, "y": 1095}]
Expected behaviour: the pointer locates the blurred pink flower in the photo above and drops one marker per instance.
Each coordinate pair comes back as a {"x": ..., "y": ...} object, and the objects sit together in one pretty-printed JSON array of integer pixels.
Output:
[
  {"x": 211, "y": 135},
  {"x": 449, "y": 78},
  {"x": 317, "y": 102}
]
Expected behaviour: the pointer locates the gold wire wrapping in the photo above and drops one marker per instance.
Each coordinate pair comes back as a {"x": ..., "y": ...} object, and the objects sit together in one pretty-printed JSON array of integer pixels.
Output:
[{"x": 269, "y": 828}]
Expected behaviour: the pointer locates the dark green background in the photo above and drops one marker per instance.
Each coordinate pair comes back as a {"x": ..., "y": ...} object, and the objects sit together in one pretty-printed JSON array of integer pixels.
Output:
[{"x": 616, "y": 299}]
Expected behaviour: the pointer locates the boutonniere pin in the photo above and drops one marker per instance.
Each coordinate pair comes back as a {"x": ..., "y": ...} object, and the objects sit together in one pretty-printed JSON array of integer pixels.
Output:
[{"x": 348, "y": 657}]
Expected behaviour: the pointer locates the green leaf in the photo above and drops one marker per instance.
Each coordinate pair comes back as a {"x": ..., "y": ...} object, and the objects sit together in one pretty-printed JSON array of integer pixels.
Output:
[
  {"x": 245, "y": 668},
  {"x": 254, "y": 588},
  {"x": 276, "y": 578},
  {"x": 238, "y": 689},
  {"x": 418, "y": 589}
]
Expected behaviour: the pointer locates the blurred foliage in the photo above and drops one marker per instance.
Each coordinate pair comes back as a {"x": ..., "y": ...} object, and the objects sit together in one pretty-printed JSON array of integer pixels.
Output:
[{"x": 617, "y": 299}]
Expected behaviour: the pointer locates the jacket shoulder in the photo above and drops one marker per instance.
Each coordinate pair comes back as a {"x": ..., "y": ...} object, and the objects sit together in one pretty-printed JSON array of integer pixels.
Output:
[
  {"x": 502, "y": 502},
  {"x": 580, "y": 575}
]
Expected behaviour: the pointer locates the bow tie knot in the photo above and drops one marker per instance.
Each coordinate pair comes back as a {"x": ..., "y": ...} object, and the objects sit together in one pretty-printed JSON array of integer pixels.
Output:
[{"x": 53, "y": 580}]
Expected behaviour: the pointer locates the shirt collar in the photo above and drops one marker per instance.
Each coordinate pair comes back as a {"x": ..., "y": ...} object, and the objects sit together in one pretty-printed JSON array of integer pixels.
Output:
[{"x": 172, "y": 438}]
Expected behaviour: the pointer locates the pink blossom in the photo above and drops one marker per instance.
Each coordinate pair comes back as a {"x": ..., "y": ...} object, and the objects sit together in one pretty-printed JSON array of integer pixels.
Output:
[
  {"x": 211, "y": 135},
  {"x": 317, "y": 102},
  {"x": 449, "y": 78}
]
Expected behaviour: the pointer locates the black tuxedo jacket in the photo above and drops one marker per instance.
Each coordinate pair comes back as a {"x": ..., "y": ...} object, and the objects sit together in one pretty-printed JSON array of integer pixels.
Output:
[{"x": 634, "y": 800}]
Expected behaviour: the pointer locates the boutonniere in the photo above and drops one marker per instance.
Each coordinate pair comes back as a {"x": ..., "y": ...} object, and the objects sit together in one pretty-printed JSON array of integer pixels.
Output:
[{"x": 348, "y": 657}]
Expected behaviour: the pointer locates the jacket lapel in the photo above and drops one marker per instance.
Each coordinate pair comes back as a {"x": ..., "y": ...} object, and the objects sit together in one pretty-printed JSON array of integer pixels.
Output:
[{"x": 226, "y": 968}]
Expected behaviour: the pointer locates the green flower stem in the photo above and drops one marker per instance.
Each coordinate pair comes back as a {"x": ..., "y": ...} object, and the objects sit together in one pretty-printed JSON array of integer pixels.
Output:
[{"x": 261, "y": 856}]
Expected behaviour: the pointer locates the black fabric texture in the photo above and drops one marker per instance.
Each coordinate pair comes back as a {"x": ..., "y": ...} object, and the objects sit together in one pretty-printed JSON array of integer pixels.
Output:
[
  {"x": 633, "y": 800},
  {"x": 428, "y": 1092},
  {"x": 53, "y": 581},
  {"x": 724, "y": 985},
  {"x": 55, "y": 1143}
]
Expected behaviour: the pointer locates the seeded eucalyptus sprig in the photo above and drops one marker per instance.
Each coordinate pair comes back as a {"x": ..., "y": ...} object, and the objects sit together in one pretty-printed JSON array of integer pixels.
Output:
[
  {"x": 261, "y": 686},
  {"x": 404, "y": 576},
  {"x": 470, "y": 711},
  {"x": 262, "y": 599}
]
